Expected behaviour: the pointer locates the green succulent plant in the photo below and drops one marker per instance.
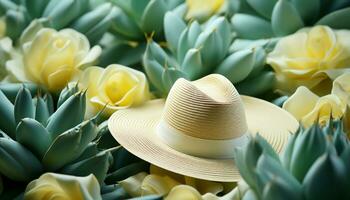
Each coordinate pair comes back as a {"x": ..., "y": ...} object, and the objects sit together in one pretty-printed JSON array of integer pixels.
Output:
[
  {"x": 259, "y": 19},
  {"x": 92, "y": 18},
  {"x": 314, "y": 165},
  {"x": 36, "y": 138},
  {"x": 135, "y": 20},
  {"x": 196, "y": 50}
]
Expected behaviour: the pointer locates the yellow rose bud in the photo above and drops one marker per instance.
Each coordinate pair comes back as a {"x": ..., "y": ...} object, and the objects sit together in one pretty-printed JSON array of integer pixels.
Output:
[
  {"x": 312, "y": 57},
  {"x": 58, "y": 186},
  {"x": 53, "y": 58},
  {"x": 115, "y": 87},
  {"x": 203, "y": 9}
]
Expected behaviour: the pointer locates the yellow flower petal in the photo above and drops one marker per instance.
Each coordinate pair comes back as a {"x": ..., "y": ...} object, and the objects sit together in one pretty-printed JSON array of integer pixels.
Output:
[
  {"x": 301, "y": 103},
  {"x": 154, "y": 184},
  {"x": 132, "y": 185},
  {"x": 201, "y": 9},
  {"x": 184, "y": 192},
  {"x": 59, "y": 186}
]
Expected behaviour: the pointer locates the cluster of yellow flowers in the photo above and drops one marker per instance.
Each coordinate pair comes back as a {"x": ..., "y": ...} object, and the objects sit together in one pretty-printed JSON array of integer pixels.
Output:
[{"x": 310, "y": 63}]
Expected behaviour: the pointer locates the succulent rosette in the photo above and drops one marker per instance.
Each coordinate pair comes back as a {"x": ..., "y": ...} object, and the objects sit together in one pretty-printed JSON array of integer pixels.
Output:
[
  {"x": 314, "y": 165},
  {"x": 197, "y": 50},
  {"x": 92, "y": 18}
]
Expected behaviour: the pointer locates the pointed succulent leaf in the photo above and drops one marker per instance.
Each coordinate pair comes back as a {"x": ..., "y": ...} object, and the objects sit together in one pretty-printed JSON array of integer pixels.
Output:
[
  {"x": 7, "y": 122},
  {"x": 335, "y": 19},
  {"x": 96, "y": 32},
  {"x": 35, "y": 8},
  {"x": 340, "y": 141},
  {"x": 251, "y": 27},
  {"x": 24, "y": 105},
  {"x": 153, "y": 15},
  {"x": 259, "y": 62},
  {"x": 69, "y": 145},
  {"x": 257, "y": 85},
  {"x": 173, "y": 27},
  {"x": 16, "y": 162},
  {"x": 192, "y": 65},
  {"x": 269, "y": 168},
  {"x": 211, "y": 46},
  {"x": 285, "y": 18},
  {"x": 279, "y": 189},
  {"x": 90, "y": 151},
  {"x": 246, "y": 159},
  {"x": 33, "y": 135},
  {"x": 308, "y": 10},
  {"x": 169, "y": 77},
  {"x": 126, "y": 172},
  {"x": 42, "y": 113},
  {"x": 263, "y": 7},
  {"x": 88, "y": 166},
  {"x": 326, "y": 179},
  {"x": 68, "y": 115},
  {"x": 7, "y": 5},
  {"x": 154, "y": 51},
  {"x": 122, "y": 158},
  {"x": 125, "y": 26},
  {"x": 305, "y": 152},
  {"x": 11, "y": 89},
  {"x": 49, "y": 102},
  {"x": 237, "y": 66},
  {"x": 68, "y": 91},
  {"x": 287, "y": 151},
  {"x": 15, "y": 22},
  {"x": 113, "y": 191},
  {"x": 224, "y": 30},
  {"x": 187, "y": 40},
  {"x": 61, "y": 13},
  {"x": 133, "y": 8}
]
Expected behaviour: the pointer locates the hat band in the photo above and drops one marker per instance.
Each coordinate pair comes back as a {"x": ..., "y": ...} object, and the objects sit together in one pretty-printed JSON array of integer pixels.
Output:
[{"x": 217, "y": 149}]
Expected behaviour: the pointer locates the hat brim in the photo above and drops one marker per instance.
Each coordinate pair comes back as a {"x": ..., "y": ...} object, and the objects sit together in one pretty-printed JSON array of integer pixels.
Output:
[{"x": 135, "y": 130}]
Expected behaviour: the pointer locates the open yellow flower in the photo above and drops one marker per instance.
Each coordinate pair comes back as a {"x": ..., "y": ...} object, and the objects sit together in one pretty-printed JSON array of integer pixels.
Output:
[
  {"x": 115, "y": 87},
  {"x": 312, "y": 57},
  {"x": 203, "y": 9},
  {"x": 53, "y": 58},
  {"x": 307, "y": 107},
  {"x": 51, "y": 186}
]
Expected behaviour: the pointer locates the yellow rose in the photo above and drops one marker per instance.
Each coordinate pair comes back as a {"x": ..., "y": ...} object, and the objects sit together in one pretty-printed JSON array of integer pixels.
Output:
[
  {"x": 53, "y": 58},
  {"x": 307, "y": 107},
  {"x": 203, "y": 9},
  {"x": 312, "y": 57},
  {"x": 115, "y": 87},
  {"x": 51, "y": 186}
]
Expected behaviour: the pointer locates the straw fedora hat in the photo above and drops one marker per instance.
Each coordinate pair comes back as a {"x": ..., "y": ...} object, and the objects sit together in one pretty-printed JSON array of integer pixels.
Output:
[{"x": 195, "y": 130}]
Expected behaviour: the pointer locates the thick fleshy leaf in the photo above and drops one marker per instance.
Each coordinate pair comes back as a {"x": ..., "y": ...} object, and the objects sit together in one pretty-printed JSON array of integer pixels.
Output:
[
  {"x": 23, "y": 106},
  {"x": 15, "y": 22},
  {"x": 305, "y": 153},
  {"x": 257, "y": 85},
  {"x": 336, "y": 19},
  {"x": 326, "y": 179},
  {"x": 11, "y": 89},
  {"x": 237, "y": 66},
  {"x": 34, "y": 136},
  {"x": 187, "y": 40},
  {"x": 192, "y": 65},
  {"x": 308, "y": 10},
  {"x": 263, "y": 7},
  {"x": 16, "y": 162},
  {"x": 35, "y": 7},
  {"x": 251, "y": 27},
  {"x": 69, "y": 145},
  {"x": 285, "y": 18},
  {"x": 7, "y": 122},
  {"x": 279, "y": 189},
  {"x": 88, "y": 166},
  {"x": 68, "y": 115},
  {"x": 127, "y": 171},
  {"x": 152, "y": 18},
  {"x": 42, "y": 112},
  {"x": 170, "y": 76},
  {"x": 173, "y": 27}
]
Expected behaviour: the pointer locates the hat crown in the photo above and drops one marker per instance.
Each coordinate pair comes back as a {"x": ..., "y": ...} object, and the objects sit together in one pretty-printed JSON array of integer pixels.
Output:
[{"x": 209, "y": 108}]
